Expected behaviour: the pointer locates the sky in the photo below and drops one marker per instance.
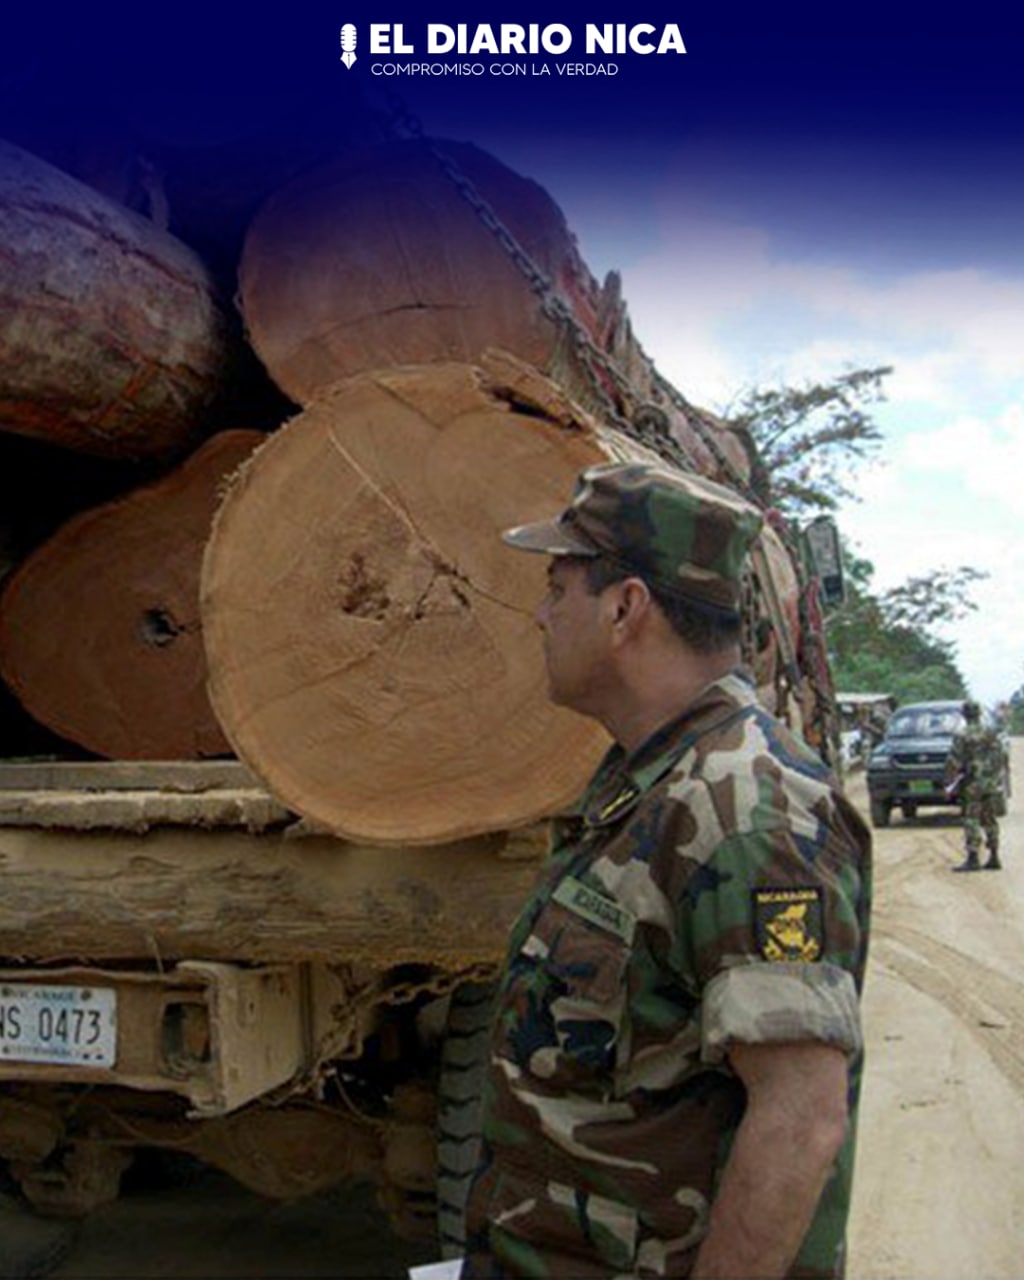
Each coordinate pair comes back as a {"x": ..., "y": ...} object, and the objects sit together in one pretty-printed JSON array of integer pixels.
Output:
[
  {"x": 726, "y": 293},
  {"x": 767, "y": 241},
  {"x": 802, "y": 192}
]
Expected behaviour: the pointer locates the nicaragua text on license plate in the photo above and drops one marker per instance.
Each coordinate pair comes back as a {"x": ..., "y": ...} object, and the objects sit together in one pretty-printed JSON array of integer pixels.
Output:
[{"x": 58, "y": 1025}]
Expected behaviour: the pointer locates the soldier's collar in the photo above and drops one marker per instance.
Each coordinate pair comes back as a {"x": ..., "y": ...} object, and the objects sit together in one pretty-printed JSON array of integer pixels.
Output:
[{"x": 621, "y": 781}]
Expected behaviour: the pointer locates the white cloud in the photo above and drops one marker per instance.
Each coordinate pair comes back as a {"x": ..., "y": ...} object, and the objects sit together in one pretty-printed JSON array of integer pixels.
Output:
[
  {"x": 935, "y": 378},
  {"x": 946, "y": 331},
  {"x": 718, "y": 310},
  {"x": 947, "y": 498},
  {"x": 984, "y": 455}
]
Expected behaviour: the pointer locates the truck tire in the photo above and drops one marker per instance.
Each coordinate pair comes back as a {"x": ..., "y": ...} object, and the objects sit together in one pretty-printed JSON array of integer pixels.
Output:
[
  {"x": 464, "y": 1059},
  {"x": 881, "y": 811}
]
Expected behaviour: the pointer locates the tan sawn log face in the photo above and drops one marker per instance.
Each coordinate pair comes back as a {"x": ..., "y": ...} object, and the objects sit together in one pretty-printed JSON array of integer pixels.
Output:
[
  {"x": 372, "y": 649},
  {"x": 99, "y": 628}
]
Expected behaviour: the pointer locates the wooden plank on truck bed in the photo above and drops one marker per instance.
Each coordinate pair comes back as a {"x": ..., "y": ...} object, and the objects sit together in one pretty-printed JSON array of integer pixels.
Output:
[
  {"x": 231, "y": 896},
  {"x": 137, "y": 811},
  {"x": 126, "y": 775}
]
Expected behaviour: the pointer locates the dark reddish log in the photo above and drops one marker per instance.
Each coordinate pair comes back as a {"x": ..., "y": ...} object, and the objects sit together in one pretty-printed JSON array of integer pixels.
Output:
[
  {"x": 371, "y": 643},
  {"x": 111, "y": 339},
  {"x": 380, "y": 260},
  {"x": 99, "y": 628}
]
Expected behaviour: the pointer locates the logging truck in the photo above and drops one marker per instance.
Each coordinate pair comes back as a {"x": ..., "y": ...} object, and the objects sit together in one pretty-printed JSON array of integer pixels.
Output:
[{"x": 278, "y": 748}]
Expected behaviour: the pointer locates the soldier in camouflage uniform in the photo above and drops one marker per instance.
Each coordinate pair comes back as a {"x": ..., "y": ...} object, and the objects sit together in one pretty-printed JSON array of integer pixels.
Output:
[
  {"x": 677, "y": 1053},
  {"x": 976, "y": 764}
]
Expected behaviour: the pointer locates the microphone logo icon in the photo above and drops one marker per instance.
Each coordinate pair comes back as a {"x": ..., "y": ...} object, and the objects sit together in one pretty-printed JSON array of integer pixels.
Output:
[{"x": 348, "y": 44}]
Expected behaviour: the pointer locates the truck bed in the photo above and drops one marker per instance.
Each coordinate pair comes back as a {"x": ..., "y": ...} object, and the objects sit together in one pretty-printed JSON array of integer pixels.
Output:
[{"x": 155, "y": 861}]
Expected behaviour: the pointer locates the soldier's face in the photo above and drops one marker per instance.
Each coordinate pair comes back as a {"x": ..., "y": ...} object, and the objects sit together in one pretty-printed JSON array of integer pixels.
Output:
[{"x": 576, "y": 637}]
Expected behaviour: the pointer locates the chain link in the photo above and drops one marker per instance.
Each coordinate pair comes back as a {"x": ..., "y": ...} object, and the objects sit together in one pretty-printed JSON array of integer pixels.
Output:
[
  {"x": 343, "y": 1042},
  {"x": 440, "y": 984},
  {"x": 593, "y": 360},
  {"x": 338, "y": 1042},
  {"x": 649, "y": 425},
  {"x": 652, "y": 430}
]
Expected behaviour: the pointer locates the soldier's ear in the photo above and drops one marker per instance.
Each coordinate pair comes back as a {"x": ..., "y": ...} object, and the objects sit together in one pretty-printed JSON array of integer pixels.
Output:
[{"x": 632, "y": 603}]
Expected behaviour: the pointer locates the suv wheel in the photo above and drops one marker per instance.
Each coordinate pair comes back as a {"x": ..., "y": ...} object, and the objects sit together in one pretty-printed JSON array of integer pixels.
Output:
[{"x": 880, "y": 812}]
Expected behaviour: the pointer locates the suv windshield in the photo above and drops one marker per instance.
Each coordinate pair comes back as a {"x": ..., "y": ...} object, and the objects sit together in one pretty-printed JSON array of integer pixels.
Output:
[{"x": 934, "y": 722}]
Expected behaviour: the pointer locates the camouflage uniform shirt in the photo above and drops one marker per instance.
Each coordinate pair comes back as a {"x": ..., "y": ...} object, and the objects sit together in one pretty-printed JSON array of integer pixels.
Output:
[
  {"x": 711, "y": 887},
  {"x": 977, "y": 757},
  {"x": 977, "y": 754}
]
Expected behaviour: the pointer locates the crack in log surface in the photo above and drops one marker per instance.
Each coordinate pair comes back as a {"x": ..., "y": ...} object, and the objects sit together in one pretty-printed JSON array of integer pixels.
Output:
[
  {"x": 364, "y": 595},
  {"x": 328, "y": 331},
  {"x": 520, "y": 403}
]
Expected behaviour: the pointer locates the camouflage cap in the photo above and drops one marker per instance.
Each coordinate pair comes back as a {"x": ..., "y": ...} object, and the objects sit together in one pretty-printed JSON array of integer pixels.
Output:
[{"x": 684, "y": 534}]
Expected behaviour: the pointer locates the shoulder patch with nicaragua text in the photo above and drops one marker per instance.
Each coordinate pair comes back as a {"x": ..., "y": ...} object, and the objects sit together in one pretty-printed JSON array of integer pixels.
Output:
[
  {"x": 595, "y": 908},
  {"x": 789, "y": 924}
]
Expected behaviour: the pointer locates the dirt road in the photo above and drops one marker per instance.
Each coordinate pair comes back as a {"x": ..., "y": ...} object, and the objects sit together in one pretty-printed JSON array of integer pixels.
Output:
[{"x": 940, "y": 1181}]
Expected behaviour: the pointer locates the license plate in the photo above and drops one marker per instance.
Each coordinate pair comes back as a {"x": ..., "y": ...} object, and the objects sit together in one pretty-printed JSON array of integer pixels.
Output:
[
  {"x": 920, "y": 786},
  {"x": 75, "y": 1026}
]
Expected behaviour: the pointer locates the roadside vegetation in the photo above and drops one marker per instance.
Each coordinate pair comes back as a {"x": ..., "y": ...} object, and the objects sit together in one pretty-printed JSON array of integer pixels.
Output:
[
  {"x": 1015, "y": 713},
  {"x": 811, "y": 440}
]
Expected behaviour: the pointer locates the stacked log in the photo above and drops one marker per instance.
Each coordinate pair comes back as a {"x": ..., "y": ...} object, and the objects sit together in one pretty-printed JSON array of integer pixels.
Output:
[
  {"x": 371, "y": 642},
  {"x": 112, "y": 341},
  {"x": 99, "y": 628},
  {"x": 381, "y": 259},
  {"x": 368, "y": 641}
]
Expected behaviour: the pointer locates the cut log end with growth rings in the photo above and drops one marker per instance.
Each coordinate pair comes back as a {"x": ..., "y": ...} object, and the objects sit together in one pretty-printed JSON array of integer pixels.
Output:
[
  {"x": 99, "y": 628},
  {"x": 371, "y": 643}
]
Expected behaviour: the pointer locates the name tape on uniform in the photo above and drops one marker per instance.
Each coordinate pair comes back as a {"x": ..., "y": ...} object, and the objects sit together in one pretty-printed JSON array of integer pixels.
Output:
[{"x": 595, "y": 908}]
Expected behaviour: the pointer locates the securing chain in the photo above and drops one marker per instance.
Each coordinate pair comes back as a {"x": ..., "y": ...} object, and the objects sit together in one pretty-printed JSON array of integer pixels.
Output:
[
  {"x": 693, "y": 417},
  {"x": 342, "y": 1042},
  {"x": 650, "y": 425},
  {"x": 439, "y": 984}
]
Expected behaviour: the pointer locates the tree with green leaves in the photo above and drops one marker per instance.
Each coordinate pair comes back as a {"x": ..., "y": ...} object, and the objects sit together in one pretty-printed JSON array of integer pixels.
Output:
[
  {"x": 885, "y": 643},
  {"x": 809, "y": 439}
]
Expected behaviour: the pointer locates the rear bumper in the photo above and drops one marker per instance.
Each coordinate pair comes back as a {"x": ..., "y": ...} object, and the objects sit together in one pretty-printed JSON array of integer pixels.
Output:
[{"x": 219, "y": 1035}]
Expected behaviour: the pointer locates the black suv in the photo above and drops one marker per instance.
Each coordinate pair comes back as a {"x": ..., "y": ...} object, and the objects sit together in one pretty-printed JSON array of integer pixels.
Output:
[{"x": 908, "y": 767}]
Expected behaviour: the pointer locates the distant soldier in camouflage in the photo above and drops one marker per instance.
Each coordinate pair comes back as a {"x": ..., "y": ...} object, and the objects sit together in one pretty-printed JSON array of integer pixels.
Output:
[
  {"x": 976, "y": 766},
  {"x": 677, "y": 1054}
]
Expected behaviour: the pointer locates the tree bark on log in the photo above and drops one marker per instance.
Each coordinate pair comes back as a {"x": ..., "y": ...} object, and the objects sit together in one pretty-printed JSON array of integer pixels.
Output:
[
  {"x": 99, "y": 628},
  {"x": 111, "y": 339},
  {"x": 381, "y": 260},
  {"x": 372, "y": 650}
]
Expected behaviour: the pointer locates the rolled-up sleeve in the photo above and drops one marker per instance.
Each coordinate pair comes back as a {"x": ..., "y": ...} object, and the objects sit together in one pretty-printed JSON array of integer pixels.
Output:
[
  {"x": 778, "y": 1003},
  {"x": 774, "y": 942}
]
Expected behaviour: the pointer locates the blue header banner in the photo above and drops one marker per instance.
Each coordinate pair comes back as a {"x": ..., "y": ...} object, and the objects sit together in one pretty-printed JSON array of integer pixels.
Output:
[{"x": 200, "y": 74}]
